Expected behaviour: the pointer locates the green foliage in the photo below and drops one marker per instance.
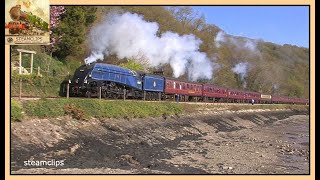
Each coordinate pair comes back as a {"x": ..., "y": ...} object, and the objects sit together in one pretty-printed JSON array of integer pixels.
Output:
[
  {"x": 72, "y": 29},
  {"x": 16, "y": 114},
  {"x": 52, "y": 72},
  {"x": 294, "y": 88},
  {"x": 131, "y": 64},
  {"x": 82, "y": 108}
]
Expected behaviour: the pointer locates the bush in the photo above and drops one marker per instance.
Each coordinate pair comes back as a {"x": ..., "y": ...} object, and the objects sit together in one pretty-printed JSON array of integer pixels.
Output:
[
  {"x": 16, "y": 110},
  {"x": 74, "y": 111}
]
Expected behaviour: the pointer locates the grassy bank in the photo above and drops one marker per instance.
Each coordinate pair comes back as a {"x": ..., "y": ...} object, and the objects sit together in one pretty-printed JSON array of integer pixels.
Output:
[
  {"x": 16, "y": 111},
  {"x": 86, "y": 108},
  {"x": 52, "y": 73}
]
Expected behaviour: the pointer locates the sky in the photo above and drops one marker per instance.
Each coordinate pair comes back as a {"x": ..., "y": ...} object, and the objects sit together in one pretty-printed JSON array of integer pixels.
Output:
[{"x": 277, "y": 24}]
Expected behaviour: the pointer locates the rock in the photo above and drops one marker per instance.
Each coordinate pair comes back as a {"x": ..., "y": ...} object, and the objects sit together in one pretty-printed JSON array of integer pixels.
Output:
[
  {"x": 230, "y": 168},
  {"x": 49, "y": 144},
  {"x": 130, "y": 160},
  {"x": 74, "y": 148}
]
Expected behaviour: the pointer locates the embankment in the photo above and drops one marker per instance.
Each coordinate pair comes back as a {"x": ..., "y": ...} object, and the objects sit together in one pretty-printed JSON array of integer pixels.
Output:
[{"x": 178, "y": 139}]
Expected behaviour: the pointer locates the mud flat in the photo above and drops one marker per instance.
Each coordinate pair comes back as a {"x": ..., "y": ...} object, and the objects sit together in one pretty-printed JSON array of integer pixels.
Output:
[{"x": 246, "y": 142}]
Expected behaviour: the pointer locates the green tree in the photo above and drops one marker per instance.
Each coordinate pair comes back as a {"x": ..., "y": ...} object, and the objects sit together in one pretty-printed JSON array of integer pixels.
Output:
[
  {"x": 72, "y": 30},
  {"x": 131, "y": 64}
]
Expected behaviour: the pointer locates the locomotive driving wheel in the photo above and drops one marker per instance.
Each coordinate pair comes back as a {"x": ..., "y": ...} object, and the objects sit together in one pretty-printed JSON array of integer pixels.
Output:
[{"x": 116, "y": 93}]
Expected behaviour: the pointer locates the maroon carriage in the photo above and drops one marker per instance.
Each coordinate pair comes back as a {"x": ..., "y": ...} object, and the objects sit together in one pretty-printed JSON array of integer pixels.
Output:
[
  {"x": 214, "y": 93},
  {"x": 249, "y": 95},
  {"x": 235, "y": 95},
  {"x": 186, "y": 91},
  {"x": 280, "y": 99}
]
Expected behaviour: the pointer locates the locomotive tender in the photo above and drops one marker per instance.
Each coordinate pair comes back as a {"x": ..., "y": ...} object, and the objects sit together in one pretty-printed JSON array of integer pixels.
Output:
[{"x": 116, "y": 82}]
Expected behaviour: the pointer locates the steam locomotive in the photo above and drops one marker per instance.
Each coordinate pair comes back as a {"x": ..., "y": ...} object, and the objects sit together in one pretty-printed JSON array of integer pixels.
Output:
[
  {"x": 114, "y": 82},
  {"x": 25, "y": 23}
]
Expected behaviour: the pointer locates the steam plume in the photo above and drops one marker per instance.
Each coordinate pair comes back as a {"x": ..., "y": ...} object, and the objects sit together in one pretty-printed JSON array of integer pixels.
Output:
[
  {"x": 241, "y": 69},
  {"x": 250, "y": 44},
  {"x": 128, "y": 35}
]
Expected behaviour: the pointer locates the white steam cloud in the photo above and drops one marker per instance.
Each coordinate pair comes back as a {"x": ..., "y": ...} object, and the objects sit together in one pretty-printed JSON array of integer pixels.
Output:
[
  {"x": 128, "y": 35},
  {"x": 220, "y": 38},
  {"x": 250, "y": 44},
  {"x": 241, "y": 69}
]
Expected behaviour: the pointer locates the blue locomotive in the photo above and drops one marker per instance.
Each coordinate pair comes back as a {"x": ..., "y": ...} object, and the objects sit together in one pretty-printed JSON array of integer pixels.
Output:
[{"x": 115, "y": 82}]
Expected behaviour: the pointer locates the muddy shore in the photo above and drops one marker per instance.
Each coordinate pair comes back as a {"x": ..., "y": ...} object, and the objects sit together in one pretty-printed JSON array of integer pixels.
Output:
[{"x": 248, "y": 142}]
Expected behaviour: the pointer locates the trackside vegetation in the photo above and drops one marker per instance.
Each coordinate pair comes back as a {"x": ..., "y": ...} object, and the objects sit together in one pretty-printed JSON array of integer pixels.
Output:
[
  {"x": 16, "y": 110},
  {"x": 85, "y": 109}
]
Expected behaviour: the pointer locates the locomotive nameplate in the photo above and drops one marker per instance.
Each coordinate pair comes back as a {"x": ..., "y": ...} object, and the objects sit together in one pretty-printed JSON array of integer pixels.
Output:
[{"x": 27, "y": 22}]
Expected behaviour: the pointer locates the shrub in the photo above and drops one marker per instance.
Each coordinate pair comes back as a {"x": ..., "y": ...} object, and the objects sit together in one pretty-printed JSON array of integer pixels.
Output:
[
  {"x": 74, "y": 111},
  {"x": 16, "y": 110}
]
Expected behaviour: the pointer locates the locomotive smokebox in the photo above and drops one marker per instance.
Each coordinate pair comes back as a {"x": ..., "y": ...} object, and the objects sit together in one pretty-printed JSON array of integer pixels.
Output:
[{"x": 16, "y": 14}]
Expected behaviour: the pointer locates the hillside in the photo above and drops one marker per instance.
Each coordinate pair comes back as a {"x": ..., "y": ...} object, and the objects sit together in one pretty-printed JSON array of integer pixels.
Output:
[{"x": 239, "y": 62}]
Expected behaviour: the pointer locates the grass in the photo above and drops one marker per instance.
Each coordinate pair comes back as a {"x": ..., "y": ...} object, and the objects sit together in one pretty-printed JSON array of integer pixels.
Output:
[
  {"x": 84, "y": 108},
  {"x": 46, "y": 85},
  {"x": 16, "y": 110}
]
